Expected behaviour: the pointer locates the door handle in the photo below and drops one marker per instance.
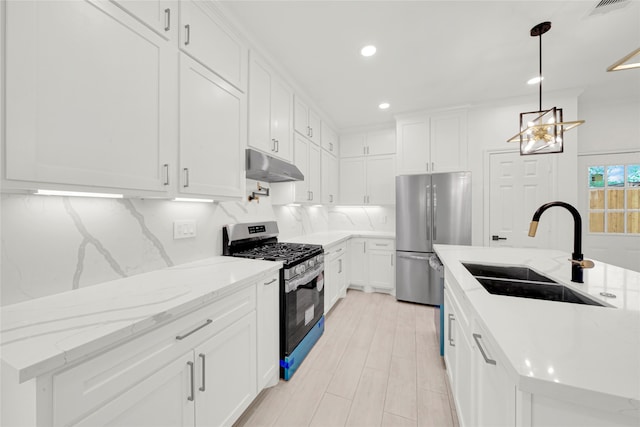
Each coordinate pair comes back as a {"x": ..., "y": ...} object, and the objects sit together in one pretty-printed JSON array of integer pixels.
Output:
[
  {"x": 192, "y": 379},
  {"x": 477, "y": 338},
  {"x": 167, "y": 14},
  {"x": 187, "y": 29},
  {"x": 496, "y": 237},
  {"x": 451, "y": 341},
  {"x": 415, "y": 257},
  {"x": 202, "y": 357}
]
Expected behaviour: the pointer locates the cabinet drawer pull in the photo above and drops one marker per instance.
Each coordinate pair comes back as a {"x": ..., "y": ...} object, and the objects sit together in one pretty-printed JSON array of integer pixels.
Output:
[
  {"x": 186, "y": 177},
  {"x": 451, "y": 342},
  {"x": 192, "y": 379},
  {"x": 187, "y": 29},
  {"x": 270, "y": 282},
  {"x": 181, "y": 337},
  {"x": 339, "y": 250},
  {"x": 477, "y": 338},
  {"x": 202, "y": 357},
  {"x": 167, "y": 16},
  {"x": 382, "y": 244},
  {"x": 166, "y": 173}
]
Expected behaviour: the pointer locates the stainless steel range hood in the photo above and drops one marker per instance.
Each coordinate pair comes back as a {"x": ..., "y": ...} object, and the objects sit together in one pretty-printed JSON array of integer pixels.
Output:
[{"x": 262, "y": 167}]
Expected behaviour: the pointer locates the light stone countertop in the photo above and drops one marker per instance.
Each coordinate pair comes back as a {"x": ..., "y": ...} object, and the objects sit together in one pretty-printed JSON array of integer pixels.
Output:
[
  {"x": 331, "y": 238},
  {"x": 44, "y": 334},
  {"x": 586, "y": 354}
]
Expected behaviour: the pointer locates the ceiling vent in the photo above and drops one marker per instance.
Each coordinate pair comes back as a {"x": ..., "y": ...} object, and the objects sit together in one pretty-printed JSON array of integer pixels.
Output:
[{"x": 605, "y": 6}]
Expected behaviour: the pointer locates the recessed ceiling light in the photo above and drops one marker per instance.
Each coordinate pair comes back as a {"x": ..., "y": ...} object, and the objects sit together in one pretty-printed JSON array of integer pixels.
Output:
[
  {"x": 535, "y": 80},
  {"x": 384, "y": 106},
  {"x": 369, "y": 50}
]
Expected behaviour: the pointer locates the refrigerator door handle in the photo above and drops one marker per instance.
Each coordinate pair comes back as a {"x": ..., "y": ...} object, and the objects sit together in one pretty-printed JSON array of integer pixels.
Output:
[
  {"x": 435, "y": 211},
  {"x": 419, "y": 258},
  {"x": 429, "y": 215}
]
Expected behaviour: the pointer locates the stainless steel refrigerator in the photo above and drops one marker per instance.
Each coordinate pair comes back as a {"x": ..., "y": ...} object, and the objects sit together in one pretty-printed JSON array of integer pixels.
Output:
[{"x": 430, "y": 209}]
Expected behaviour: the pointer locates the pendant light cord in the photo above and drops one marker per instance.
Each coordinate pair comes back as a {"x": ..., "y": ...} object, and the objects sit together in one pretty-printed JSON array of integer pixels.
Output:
[{"x": 540, "y": 75}]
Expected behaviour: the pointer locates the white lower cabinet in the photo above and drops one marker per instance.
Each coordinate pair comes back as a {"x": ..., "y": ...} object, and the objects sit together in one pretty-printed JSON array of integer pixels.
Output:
[
  {"x": 494, "y": 393},
  {"x": 372, "y": 264},
  {"x": 335, "y": 275},
  {"x": 268, "y": 331},
  {"x": 200, "y": 370}
]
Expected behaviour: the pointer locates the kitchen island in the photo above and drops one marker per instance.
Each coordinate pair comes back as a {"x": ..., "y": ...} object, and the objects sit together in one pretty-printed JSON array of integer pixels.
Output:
[{"x": 523, "y": 361}]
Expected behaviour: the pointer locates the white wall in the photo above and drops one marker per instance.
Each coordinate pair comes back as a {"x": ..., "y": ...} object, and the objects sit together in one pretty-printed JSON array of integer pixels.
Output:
[{"x": 490, "y": 126}]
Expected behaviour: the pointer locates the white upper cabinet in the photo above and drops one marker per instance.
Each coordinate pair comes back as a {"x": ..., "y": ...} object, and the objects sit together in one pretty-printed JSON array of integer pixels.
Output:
[
  {"x": 205, "y": 37},
  {"x": 270, "y": 111},
  {"x": 306, "y": 121},
  {"x": 367, "y": 180},
  {"x": 449, "y": 141},
  {"x": 329, "y": 139},
  {"x": 159, "y": 15},
  {"x": 90, "y": 98},
  {"x": 368, "y": 144},
  {"x": 432, "y": 142},
  {"x": 212, "y": 133},
  {"x": 413, "y": 146},
  {"x": 307, "y": 159},
  {"x": 330, "y": 178}
]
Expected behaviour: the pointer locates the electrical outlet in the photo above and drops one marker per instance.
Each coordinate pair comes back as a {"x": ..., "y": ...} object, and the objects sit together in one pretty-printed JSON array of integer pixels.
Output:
[{"x": 184, "y": 229}]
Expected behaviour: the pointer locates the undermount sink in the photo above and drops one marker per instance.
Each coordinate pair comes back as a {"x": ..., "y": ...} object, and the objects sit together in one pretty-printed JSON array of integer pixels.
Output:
[{"x": 522, "y": 282}]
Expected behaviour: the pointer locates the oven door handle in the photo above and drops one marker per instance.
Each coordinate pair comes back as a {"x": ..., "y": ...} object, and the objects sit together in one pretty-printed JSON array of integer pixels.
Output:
[{"x": 304, "y": 280}]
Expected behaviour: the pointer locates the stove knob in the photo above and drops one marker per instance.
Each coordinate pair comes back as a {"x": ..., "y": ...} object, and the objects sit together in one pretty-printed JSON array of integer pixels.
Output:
[
  {"x": 311, "y": 263},
  {"x": 300, "y": 269}
]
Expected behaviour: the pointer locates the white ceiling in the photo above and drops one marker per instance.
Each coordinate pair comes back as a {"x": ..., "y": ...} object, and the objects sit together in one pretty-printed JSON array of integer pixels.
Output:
[{"x": 434, "y": 54}]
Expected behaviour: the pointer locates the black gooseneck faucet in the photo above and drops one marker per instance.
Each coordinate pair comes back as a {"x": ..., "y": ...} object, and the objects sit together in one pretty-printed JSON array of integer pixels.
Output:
[{"x": 577, "y": 261}]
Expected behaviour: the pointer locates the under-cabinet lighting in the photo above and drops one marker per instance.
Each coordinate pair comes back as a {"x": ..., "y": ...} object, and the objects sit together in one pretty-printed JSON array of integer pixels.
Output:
[
  {"x": 316, "y": 206},
  {"x": 188, "y": 199},
  {"x": 77, "y": 194},
  {"x": 294, "y": 205}
]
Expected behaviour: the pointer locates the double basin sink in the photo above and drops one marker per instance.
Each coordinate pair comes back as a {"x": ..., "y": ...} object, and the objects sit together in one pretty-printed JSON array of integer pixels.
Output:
[{"x": 523, "y": 282}]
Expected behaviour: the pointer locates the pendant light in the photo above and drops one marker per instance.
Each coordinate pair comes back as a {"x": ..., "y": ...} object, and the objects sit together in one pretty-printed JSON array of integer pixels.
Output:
[{"x": 542, "y": 131}]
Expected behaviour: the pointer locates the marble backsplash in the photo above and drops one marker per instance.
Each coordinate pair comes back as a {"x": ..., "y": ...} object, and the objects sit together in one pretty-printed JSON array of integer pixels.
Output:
[{"x": 57, "y": 244}]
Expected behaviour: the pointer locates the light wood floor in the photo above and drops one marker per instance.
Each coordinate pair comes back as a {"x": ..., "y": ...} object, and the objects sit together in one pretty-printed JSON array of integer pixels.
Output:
[{"x": 377, "y": 364}]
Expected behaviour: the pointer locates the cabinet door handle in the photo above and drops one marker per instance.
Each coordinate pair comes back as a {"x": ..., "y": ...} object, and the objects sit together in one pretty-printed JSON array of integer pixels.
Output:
[
  {"x": 367, "y": 149},
  {"x": 277, "y": 146},
  {"x": 330, "y": 198},
  {"x": 202, "y": 357},
  {"x": 186, "y": 177},
  {"x": 426, "y": 165},
  {"x": 451, "y": 342},
  {"x": 270, "y": 282},
  {"x": 477, "y": 338},
  {"x": 331, "y": 146},
  {"x": 191, "y": 380},
  {"x": 433, "y": 167},
  {"x": 187, "y": 34},
  {"x": 166, "y": 174},
  {"x": 273, "y": 147},
  {"x": 364, "y": 149},
  {"x": 167, "y": 19},
  {"x": 339, "y": 266},
  {"x": 181, "y": 337},
  {"x": 311, "y": 194},
  {"x": 364, "y": 247}
]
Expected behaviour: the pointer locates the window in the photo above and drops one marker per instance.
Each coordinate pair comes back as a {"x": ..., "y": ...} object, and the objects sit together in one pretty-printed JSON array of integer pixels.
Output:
[{"x": 614, "y": 199}]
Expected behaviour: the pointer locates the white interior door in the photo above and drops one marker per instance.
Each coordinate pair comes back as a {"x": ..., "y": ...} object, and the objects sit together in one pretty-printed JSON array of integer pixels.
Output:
[
  {"x": 606, "y": 241},
  {"x": 518, "y": 186}
]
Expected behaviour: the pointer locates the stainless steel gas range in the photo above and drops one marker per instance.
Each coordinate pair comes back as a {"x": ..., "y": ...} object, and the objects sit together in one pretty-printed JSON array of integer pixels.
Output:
[{"x": 301, "y": 285}]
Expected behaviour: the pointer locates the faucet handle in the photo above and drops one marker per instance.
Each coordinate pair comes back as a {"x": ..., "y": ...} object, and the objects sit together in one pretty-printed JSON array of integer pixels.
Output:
[{"x": 585, "y": 263}]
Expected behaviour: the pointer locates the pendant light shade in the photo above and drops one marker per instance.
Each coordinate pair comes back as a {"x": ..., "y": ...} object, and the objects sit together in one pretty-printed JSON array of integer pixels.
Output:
[{"x": 542, "y": 131}]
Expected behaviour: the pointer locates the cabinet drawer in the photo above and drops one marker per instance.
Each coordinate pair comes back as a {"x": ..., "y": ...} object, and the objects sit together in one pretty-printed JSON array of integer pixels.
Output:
[
  {"x": 381, "y": 244},
  {"x": 335, "y": 251},
  {"x": 84, "y": 387}
]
